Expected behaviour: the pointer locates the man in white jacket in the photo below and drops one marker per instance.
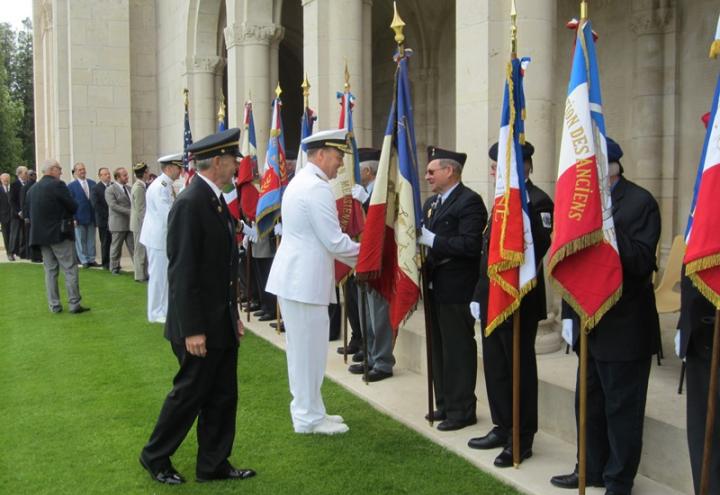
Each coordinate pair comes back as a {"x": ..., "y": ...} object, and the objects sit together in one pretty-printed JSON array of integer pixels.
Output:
[
  {"x": 303, "y": 277},
  {"x": 159, "y": 199}
]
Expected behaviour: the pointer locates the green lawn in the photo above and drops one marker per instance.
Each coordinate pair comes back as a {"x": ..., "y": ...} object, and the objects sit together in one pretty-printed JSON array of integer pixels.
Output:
[{"x": 79, "y": 395}]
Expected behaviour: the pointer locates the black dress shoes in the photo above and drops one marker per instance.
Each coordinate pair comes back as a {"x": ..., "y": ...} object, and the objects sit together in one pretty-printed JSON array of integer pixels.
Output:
[
  {"x": 505, "y": 459},
  {"x": 453, "y": 424},
  {"x": 259, "y": 312},
  {"x": 377, "y": 375},
  {"x": 11, "y": 257},
  {"x": 490, "y": 441},
  {"x": 572, "y": 481},
  {"x": 230, "y": 474},
  {"x": 275, "y": 325},
  {"x": 266, "y": 317},
  {"x": 79, "y": 309},
  {"x": 167, "y": 476},
  {"x": 356, "y": 369},
  {"x": 115, "y": 271},
  {"x": 437, "y": 416},
  {"x": 358, "y": 357},
  {"x": 351, "y": 349}
]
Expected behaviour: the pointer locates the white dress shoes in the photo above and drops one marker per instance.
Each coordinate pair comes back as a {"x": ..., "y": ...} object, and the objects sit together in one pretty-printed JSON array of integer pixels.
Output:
[
  {"x": 334, "y": 418},
  {"x": 326, "y": 427}
]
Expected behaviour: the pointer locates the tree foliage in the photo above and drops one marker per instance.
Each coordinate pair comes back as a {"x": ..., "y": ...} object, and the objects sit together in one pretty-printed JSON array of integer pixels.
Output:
[{"x": 17, "y": 120}]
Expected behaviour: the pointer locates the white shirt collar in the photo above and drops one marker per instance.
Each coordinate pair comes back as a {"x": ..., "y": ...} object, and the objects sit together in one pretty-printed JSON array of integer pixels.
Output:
[
  {"x": 444, "y": 196},
  {"x": 212, "y": 185}
]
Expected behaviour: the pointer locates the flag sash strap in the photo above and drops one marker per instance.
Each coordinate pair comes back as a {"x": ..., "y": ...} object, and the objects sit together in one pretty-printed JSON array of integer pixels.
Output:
[
  {"x": 511, "y": 257},
  {"x": 584, "y": 262},
  {"x": 702, "y": 255}
]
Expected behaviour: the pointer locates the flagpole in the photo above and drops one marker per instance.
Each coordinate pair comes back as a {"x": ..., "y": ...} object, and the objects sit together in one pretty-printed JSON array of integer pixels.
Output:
[
  {"x": 278, "y": 92},
  {"x": 711, "y": 408},
  {"x": 397, "y": 26},
  {"x": 516, "y": 313},
  {"x": 248, "y": 251}
]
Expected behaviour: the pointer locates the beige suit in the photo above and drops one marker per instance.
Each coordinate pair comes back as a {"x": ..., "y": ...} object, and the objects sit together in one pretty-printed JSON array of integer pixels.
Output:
[
  {"x": 118, "y": 200},
  {"x": 137, "y": 214}
]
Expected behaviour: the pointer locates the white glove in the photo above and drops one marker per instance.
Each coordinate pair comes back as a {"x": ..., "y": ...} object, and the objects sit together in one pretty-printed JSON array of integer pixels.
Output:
[
  {"x": 426, "y": 238},
  {"x": 359, "y": 193},
  {"x": 567, "y": 331},
  {"x": 677, "y": 343},
  {"x": 475, "y": 309},
  {"x": 245, "y": 242},
  {"x": 246, "y": 229},
  {"x": 278, "y": 229}
]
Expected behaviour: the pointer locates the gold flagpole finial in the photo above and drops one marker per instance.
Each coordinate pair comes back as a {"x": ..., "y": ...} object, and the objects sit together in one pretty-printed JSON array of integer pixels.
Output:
[
  {"x": 186, "y": 99},
  {"x": 397, "y": 26},
  {"x": 306, "y": 90},
  {"x": 513, "y": 29},
  {"x": 278, "y": 91},
  {"x": 221, "y": 110},
  {"x": 583, "y": 10},
  {"x": 347, "y": 78}
]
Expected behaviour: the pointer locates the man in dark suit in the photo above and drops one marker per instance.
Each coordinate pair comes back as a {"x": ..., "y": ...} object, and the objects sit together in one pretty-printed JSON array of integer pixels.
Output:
[
  {"x": 50, "y": 209},
  {"x": 497, "y": 348},
  {"x": 31, "y": 252},
  {"x": 5, "y": 214},
  {"x": 697, "y": 318},
  {"x": 203, "y": 324},
  {"x": 454, "y": 219},
  {"x": 100, "y": 207},
  {"x": 621, "y": 346},
  {"x": 17, "y": 226},
  {"x": 84, "y": 216}
]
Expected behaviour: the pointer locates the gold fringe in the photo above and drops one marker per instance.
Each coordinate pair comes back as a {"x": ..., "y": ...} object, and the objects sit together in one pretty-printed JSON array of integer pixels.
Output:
[
  {"x": 489, "y": 328},
  {"x": 587, "y": 322},
  {"x": 715, "y": 49},
  {"x": 574, "y": 246},
  {"x": 693, "y": 269},
  {"x": 262, "y": 235}
]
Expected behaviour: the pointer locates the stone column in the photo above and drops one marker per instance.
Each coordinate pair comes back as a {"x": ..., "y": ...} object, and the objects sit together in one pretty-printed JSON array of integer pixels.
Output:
[
  {"x": 334, "y": 34},
  {"x": 364, "y": 125},
  {"x": 653, "y": 111},
  {"x": 201, "y": 84}
]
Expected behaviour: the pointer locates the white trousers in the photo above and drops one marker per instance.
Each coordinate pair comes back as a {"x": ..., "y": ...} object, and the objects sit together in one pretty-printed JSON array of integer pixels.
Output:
[
  {"x": 157, "y": 284},
  {"x": 306, "y": 336}
]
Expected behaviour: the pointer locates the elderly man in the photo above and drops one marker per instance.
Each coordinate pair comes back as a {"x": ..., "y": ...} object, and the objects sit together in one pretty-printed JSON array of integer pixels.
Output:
[
  {"x": 81, "y": 189},
  {"x": 31, "y": 252},
  {"x": 137, "y": 214},
  {"x": 117, "y": 196},
  {"x": 5, "y": 214},
  {"x": 455, "y": 218},
  {"x": 159, "y": 199},
  {"x": 621, "y": 345},
  {"x": 18, "y": 242},
  {"x": 97, "y": 199},
  {"x": 303, "y": 277},
  {"x": 203, "y": 324},
  {"x": 50, "y": 208}
]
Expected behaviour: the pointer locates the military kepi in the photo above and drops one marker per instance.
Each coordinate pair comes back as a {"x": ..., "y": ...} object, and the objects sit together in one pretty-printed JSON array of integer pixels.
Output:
[
  {"x": 435, "y": 153},
  {"x": 139, "y": 167},
  {"x": 333, "y": 138},
  {"x": 218, "y": 144},
  {"x": 174, "y": 159},
  {"x": 368, "y": 155},
  {"x": 527, "y": 150}
]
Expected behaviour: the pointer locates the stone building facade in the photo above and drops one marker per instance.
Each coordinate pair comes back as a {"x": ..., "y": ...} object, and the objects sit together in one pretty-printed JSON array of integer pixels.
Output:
[{"x": 109, "y": 76}]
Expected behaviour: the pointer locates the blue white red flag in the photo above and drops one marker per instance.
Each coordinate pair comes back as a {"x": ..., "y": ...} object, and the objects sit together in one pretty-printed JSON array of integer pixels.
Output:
[
  {"x": 242, "y": 200},
  {"x": 702, "y": 236},
  {"x": 274, "y": 179},
  {"x": 306, "y": 129},
  {"x": 511, "y": 258},
  {"x": 388, "y": 250},
  {"x": 188, "y": 167},
  {"x": 584, "y": 261}
]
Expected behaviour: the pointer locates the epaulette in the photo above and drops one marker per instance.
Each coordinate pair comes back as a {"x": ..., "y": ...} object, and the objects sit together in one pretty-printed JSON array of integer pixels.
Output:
[{"x": 321, "y": 178}]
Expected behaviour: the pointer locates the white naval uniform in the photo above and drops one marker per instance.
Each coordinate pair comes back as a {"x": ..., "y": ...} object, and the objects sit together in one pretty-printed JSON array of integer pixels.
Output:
[
  {"x": 303, "y": 278},
  {"x": 159, "y": 199}
]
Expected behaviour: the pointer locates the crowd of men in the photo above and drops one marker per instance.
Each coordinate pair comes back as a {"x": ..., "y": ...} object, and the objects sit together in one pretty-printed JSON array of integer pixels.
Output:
[{"x": 188, "y": 248}]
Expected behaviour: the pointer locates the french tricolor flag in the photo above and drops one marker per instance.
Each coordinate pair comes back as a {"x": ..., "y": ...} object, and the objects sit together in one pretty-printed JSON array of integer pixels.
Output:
[
  {"x": 584, "y": 261},
  {"x": 242, "y": 200}
]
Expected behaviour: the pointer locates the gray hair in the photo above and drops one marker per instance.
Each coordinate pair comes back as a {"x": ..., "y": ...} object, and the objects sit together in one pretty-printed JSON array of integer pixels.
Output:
[
  {"x": 20, "y": 170},
  {"x": 203, "y": 164},
  {"x": 449, "y": 162},
  {"x": 48, "y": 164},
  {"x": 371, "y": 165},
  {"x": 6, "y": 176}
]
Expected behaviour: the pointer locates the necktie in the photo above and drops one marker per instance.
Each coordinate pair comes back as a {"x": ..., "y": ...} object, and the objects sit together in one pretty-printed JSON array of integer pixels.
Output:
[
  {"x": 85, "y": 188},
  {"x": 124, "y": 188}
]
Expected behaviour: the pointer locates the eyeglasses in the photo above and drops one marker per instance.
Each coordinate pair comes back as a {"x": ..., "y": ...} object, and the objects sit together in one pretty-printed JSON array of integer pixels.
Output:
[{"x": 431, "y": 171}]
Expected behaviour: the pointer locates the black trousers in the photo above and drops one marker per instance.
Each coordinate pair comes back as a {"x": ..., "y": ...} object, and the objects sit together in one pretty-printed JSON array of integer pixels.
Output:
[
  {"x": 353, "y": 311},
  {"x": 247, "y": 287},
  {"x": 454, "y": 355},
  {"x": 6, "y": 237},
  {"x": 268, "y": 301},
  {"x": 105, "y": 240},
  {"x": 17, "y": 237},
  {"x": 335, "y": 316},
  {"x": 206, "y": 389},
  {"x": 498, "y": 367},
  {"x": 698, "y": 383},
  {"x": 616, "y": 396}
]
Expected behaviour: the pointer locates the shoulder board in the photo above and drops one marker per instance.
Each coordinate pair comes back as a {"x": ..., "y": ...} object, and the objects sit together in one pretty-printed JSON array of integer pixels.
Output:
[{"x": 321, "y": 177}]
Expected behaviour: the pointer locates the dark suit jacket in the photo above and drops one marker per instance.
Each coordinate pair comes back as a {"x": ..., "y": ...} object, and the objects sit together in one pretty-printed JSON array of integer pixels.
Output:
[
  {"x": 697, "y": 317},
  {"x": 455, "y": 256},
  {"x": 202, "y": 270},
  {"x": 5, "y": 213},
  {"x": 99, "y": 205},
  {"x": 23, "y": 193},
  {"x": 15, "y": 189},
  {"x": 49, "y": 204},
  {"x": 533, "y": 306},
  {"x": 630, "y": 330},
  {"x": 84, "y": 214}
]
